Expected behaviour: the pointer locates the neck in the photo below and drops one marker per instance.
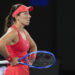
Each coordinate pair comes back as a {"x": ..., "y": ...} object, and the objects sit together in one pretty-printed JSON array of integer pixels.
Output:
[{"x": 19, "y": 26}]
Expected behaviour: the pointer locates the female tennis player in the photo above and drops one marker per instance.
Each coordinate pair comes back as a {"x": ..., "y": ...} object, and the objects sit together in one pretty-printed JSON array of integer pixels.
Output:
[{"x": 16, "y": 41}]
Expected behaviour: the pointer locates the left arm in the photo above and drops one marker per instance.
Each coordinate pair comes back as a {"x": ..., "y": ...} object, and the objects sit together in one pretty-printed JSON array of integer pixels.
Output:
[{"x": 33, "y": 46}]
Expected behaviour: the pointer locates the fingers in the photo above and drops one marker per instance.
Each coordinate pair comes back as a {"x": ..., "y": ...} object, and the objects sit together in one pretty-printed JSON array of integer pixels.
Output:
[{"x": 14, "y": 61}]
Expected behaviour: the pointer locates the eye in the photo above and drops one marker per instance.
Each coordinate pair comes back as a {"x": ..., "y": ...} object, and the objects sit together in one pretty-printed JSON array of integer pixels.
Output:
[{"x": 26, "y": 13}]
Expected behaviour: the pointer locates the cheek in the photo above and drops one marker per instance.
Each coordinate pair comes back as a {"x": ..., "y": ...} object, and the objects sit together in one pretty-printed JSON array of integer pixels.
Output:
[{"x": 22, "y": 19}]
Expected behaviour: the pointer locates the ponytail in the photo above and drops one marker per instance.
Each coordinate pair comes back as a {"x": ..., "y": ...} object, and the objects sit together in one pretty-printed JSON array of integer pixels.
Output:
[{"x": 9, "y": 20}]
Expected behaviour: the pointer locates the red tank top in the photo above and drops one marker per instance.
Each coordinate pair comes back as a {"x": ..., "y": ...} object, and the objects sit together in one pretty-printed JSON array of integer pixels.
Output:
[{"x": 20, "y": 48}]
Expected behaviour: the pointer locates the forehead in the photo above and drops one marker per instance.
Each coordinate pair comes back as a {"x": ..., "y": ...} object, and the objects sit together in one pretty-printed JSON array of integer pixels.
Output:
[{"x": 25, "y": 12}]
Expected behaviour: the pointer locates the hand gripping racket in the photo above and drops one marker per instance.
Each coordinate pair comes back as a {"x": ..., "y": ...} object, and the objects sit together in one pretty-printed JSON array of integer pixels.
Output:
[{"x": 37, "y": 59}]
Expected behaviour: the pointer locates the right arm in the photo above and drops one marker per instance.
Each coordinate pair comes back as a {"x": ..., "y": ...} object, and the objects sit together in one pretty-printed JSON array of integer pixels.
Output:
[{"x": 5, "y": 40}]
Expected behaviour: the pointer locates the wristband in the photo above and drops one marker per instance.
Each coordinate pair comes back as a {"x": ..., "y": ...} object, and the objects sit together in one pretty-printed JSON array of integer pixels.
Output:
[{"x": 9, "y": 58}]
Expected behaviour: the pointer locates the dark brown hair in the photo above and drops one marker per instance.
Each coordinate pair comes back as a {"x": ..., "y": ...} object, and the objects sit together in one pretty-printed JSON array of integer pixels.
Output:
[{"x": 9, "y": 19}]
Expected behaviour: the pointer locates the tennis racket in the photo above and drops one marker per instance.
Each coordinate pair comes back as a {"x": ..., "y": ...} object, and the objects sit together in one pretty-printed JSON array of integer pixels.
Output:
[{"x": 38, "y": 59}]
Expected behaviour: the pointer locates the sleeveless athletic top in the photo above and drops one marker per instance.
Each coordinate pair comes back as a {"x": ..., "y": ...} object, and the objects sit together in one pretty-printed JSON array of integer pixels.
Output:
[{"x": 20, "y": 48}]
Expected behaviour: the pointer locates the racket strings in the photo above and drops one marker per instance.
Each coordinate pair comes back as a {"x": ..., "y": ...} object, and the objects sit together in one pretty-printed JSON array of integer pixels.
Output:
[{"x": 43, "y": 59}]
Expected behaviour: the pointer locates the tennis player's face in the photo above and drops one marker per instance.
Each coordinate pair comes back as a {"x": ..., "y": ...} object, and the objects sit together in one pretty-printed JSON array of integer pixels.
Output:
[{"x": 24, "y": 18}]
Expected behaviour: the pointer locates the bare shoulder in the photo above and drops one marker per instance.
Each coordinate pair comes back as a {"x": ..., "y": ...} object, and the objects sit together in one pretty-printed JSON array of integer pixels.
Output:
[
  {"x": 9, "y": 36},
  {"x": 11, "y": 33},
  {"x": 11, "y": 30}
]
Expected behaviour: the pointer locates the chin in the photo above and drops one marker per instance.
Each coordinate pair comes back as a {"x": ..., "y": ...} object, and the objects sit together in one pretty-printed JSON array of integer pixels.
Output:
[{"x": 26, "y": 25}]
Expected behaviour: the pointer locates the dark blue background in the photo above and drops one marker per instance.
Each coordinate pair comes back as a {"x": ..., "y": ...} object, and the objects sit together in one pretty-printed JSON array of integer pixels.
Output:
[{"x": 39, "y": 2}]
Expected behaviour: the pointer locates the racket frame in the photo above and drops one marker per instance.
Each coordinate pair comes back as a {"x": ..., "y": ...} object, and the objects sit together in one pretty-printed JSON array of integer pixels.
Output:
[{"x": 36, "y": 66}]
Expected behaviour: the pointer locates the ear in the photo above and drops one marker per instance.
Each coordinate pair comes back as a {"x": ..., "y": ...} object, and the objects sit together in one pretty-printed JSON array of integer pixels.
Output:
[{"x": 17, "y": 17}]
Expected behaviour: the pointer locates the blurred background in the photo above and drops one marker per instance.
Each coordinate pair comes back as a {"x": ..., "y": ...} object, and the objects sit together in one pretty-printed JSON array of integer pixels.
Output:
[{"x": 53, "y": 29}]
